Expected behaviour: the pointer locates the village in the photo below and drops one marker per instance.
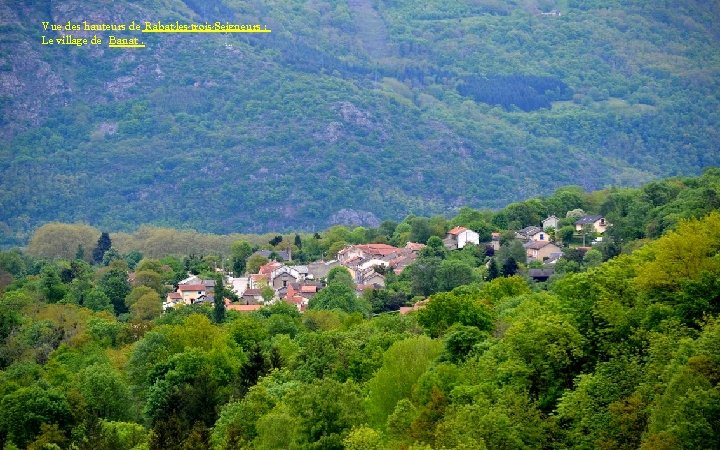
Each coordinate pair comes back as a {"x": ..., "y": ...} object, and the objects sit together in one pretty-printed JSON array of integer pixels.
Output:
[{"x": 280, "y": 280}]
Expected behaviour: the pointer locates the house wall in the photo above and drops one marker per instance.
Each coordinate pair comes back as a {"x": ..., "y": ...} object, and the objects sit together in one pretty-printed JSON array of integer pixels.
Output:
[
  {"x": 190, "y": 296},
  {"x": 546, "y": 251},
  {"x": 468, "y": 237},
  {"x": 277, "y": 282},
  {"x": 550, "y": 223},
  {"x": 373, "y": 263},
  {"x": 541, "y": 237},
  {"x": 375, "y": 279},
  {"x": 600, "y": 226}
]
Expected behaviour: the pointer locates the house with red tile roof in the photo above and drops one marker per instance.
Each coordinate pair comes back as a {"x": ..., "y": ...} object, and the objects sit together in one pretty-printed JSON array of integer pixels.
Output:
[
  {"x": 191, "y": 292},
  {"x": 172, "y": 300},
  {"x": 268, "y": 268},
  {"x": 365, "y": 252},
  {"x": 458, "y": 237}
]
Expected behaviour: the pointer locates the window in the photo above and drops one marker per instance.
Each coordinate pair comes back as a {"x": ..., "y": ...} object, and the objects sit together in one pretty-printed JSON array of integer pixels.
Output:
[{"x": 542, "y": 237}]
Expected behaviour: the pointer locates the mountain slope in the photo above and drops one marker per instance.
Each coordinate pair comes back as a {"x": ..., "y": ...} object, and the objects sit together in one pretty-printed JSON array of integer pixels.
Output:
[{"x": 348, "y": 111}]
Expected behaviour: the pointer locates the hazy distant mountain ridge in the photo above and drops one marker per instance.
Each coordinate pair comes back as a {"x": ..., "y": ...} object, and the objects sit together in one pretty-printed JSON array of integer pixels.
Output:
[{"x": 369, "y": 107}]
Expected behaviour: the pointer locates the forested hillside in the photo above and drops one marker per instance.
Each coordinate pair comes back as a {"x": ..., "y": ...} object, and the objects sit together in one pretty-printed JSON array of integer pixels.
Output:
[
  {"x": 618, "y": 351},
  {"x": 348, "y": 111}
]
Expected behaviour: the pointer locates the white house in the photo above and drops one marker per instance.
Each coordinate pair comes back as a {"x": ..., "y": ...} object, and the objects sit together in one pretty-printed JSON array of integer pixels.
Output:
[{"x": 459, "y": 237}]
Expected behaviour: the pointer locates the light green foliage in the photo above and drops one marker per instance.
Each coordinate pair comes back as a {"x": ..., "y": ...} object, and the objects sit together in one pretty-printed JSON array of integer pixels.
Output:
[
  {"x": 403, "y": 364},
  {"x": 149, "y": 278},
  {"x": 548, "y": 345},
  {"x": 445, "y": 309},
  {"x": 341, "y": 297},
  {"x": 98, "y": 301},
  {"x": 452, "y": 274},
  {"x": 340, "y": 275},
  {"x": 124, "y": 435},
  {"x": 565, "y": 234},
  {"x": 255, "y": 262},
  {"x": 592, "y": 258},
  {"x": 137, "y": 293},
  {"x": 105, "y": 392},
  {"x": 511, "y": 421},
  {"x": 239, "y": 253},
  {"x": 363, "y": 438},
  {"x": 147, "y": 307},
  {"x": 501, "y": 288},
  {"x": 58, "y": 240}
]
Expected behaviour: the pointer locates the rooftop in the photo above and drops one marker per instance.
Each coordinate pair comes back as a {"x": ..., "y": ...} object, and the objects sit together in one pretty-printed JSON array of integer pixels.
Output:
[
  {"x": 191, "y": 287},
  {"x": 457, "y": 230},
  {"x": 585, "y": 220}
]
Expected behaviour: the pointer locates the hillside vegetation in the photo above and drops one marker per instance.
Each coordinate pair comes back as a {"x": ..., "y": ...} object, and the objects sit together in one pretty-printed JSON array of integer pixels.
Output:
[
  {"x": 348, "y": 111},
  {"x": 619, "y": 354}
]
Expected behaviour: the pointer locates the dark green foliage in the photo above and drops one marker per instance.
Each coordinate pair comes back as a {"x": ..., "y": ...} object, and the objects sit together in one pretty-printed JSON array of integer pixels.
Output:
[
  {"x": 340, "y": 275},
  {"x": 116, "y": 287},
  {"x": 509, "y": 267},
  {"x": 52, "y": 287},
  {"x": 219, "y": 301},
  {"x": 133, "y": 258},
  {"x": 451, "y": 274},
  {"x": 526, "y": 92},
  {"x": 383, "y": 300},
  {"x": 25, "y": 410},
  {"x": 338, "y": 296},
  {"x": 423, "y": 275},
  {"x": 460, "y": 340},
  {"x": 103, "y": 245},
  {"x": 434, "y": 248},
  {"x": 493, "y": 271}
]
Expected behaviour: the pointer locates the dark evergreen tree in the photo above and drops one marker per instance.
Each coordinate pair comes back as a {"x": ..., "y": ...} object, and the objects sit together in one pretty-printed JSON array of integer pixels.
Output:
[
  {"x": 116, "y": 286},
  {"x": 510, "y": 267},
  {"x": 219, "y": 302},
  {"x": 298, "y": 241},
  {"x": 103, "y": 245},
  {"x": 493, "y": 271}
]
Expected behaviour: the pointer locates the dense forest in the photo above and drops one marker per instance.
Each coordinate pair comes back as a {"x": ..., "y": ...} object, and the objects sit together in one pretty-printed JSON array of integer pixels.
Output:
[
  {"x": 618, "y": 350},
  {"x": 315, "y": 123}
]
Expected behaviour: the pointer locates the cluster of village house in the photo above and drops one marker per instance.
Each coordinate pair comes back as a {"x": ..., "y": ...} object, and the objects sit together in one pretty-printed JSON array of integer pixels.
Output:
[{"x": 297, "y": 284}]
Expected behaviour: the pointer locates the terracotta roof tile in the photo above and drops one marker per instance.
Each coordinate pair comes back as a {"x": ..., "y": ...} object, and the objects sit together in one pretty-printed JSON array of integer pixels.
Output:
[
  {"x": 457, "y": 230},
  {"x": 191, "y": 287}
]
